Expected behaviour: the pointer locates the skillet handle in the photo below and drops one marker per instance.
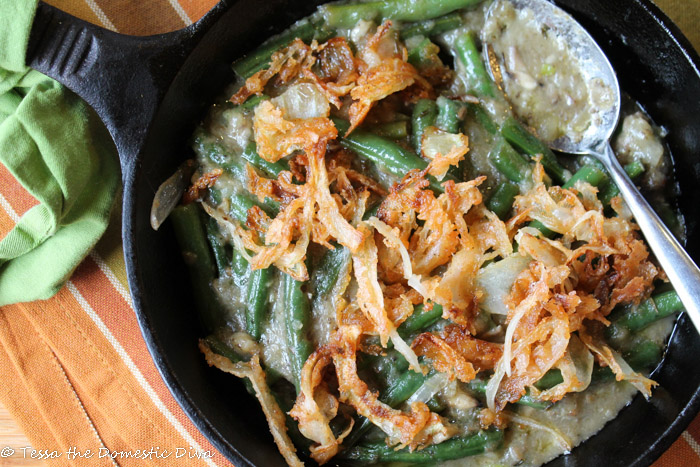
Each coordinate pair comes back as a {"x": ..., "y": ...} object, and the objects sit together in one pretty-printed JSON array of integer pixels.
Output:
[{"x": 123, "y": 78}]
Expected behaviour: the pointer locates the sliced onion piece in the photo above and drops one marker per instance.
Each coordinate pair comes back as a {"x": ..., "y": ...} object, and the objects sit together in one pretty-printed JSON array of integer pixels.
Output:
[
  {"x": 303, "y": 100},
  {"x": 562, "y": 439},
  {"x": 430, "y": 387},
  {"x": 496, "y": 280},
  {"x": 170, "y": 192},
  {"x": 414, "y": 280}
]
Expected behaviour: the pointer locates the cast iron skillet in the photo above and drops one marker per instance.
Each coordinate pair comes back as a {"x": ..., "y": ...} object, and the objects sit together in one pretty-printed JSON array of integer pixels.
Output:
[{"x": 152, "y": 91}]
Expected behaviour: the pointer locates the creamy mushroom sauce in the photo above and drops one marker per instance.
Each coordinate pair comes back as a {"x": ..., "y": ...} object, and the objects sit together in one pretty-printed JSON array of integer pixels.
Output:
[
  {"x": 577, "y": 416},
  {"x": 542, "y": 79}
]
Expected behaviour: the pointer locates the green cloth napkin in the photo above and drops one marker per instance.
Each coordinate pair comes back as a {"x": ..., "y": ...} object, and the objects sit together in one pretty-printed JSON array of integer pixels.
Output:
[{"x": 56, "y": 147}]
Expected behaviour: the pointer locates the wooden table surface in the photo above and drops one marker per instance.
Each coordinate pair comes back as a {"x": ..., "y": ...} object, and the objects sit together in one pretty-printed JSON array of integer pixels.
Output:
[{"x": 11, "y": 436}]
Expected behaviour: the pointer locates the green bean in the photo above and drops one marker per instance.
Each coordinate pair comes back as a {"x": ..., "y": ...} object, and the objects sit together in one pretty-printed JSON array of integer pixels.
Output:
[
  {"x": 435, "y": 404},
  {"x": 395, "y": 159},
  {"x": 326, "y": 274},
  {"x": 250, "y": 154},
  {"x": 479, "y": 114},
  {"x": 253, "y": 101},
  {"x": 549, "y": 380},
  {"x": 528, "y": 400},
  {"x": 388, "y": 365},
  {"x": 258, "y": 280},
  {"x": 221, "y": 258},
  {"x": 403, "y": 387},
  {"x": 501, "y": 201},
  {"x": 420, "y": 54},
  {"x": 420, "y": 320},
  {"x": 521, "y": 139},
  {"x": 450, "y": 114},
  {"x": 259, "y": 59},
  {"x": 286, "y": 401},
  {"x": 424, "y": 115},
  {"x": 372, "y": 212},
  {"x": 634, "y": 169},
  {"x": 347, "y": 16},
  {"x": 192, "y": 238},
  {"x": 542, "y": 228},
  {"x": 431, "y": 27},
  {"x": 478, "y": 79},
  {"x": 398, "y": 391},
  {"x": 207, "y": 147},
  {"x": 609, "y": 190},
  {"x": 392, "y": 130},
  {"x": 643, "y": 355},
  {"x": 554, "y": 377},
  {"x": 215, "y": 195},
  {"x": 587, "y": 173},
  {"x": 242, "y": 202},
  {"x": 509, "y": 162},
  {"x": 221, "y": 348},
  {"x": 425, "y": 57},
  {"x": 650, "y": 310},
  {"x": 455, "y": 448},
  {"x": 479, "y": 386},
  {"x": 239, "y": 268},
  {"x": 602, "y": 374},
  {"x": 297, "y": 311},
  {"x": 257, "y": 301},
  {"x": 669, "y": 216}
]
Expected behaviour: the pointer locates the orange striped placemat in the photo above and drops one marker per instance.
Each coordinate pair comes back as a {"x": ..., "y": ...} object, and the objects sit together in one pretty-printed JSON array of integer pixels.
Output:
[{"x": 75, "y": 371}]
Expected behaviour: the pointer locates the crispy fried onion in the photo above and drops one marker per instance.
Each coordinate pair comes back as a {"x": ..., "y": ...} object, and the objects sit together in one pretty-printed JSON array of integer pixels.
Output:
[
  {"x": 370, "y": 297},
  {"x": 560, "y": 210},
  {"x": 311, "y": 212},
  {"x": 383, "y": 71},
  {"x": 457, "y": 353},
  {"x": 337, "y": 71},
  {"x": 204, "y": 182},
  {"x": 612, "y": 264},
  {"x": 457, "y": 233},
  {"x": 576, "y": 368},
  {"x": 274, "y": 415},
  {"x": 286, "y": 64},
  {"x": 617, "y": 364},
  {"x": 315, "y": 407},
  {"x": 418, "y": 428},
  {"x": 286, "y": 239},
  {"x": 277, "y": 137},
  {"x": 567, "y": 290},
  {"x": 537, "y": 335},
  {"x": 443, "y": 149},
  {"x": 331, "y": 66}
]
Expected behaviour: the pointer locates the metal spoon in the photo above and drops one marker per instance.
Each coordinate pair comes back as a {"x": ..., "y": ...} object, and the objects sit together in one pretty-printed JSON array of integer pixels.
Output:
[{"x": 679, "y": 267}]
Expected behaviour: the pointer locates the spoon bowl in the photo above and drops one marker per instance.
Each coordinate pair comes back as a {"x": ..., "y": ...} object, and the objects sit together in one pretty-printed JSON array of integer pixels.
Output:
[
  {"x": 594, "y": 66},
  {"x": 595, "y": 141}
]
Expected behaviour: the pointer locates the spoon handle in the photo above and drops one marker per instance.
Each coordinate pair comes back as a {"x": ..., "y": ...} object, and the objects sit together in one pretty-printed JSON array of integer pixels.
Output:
[{"x": 679, "y": 267}]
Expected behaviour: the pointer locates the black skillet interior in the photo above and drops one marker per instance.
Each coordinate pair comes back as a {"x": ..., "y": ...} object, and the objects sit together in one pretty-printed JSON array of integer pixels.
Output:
[{"x": 656, "y": 66}]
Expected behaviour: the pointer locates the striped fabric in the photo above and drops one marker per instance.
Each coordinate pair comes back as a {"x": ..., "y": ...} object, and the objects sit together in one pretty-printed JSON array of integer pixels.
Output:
[{"x": 75, "y": 370}]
